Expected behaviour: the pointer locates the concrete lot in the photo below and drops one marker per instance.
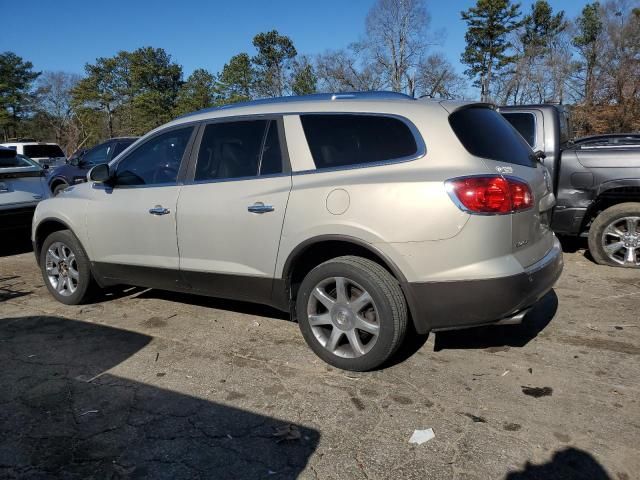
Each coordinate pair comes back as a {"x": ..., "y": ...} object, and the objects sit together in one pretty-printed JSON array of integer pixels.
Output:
[{"x": 148, "y": 384}]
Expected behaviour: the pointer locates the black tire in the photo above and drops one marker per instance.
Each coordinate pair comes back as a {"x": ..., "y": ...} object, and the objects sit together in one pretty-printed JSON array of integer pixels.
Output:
[
  {"x": 85, "y": 286},
  {"x": 606, "y": 218},
  {"x": 390, "y": 308},
  {"x": 58, "y": 188}
]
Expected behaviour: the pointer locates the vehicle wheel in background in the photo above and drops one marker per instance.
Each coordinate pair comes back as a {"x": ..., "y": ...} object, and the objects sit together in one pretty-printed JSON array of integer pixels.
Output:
[
  {"x": 58, "y": 188},
  {"x": 66, "y": 269},
  {"x": 614, "y": 236},
  {"x": 352, "y": 313}
]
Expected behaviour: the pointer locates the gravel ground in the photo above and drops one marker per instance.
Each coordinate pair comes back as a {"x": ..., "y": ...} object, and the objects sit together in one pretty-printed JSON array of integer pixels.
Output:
[{"x": 150, "y": 384}]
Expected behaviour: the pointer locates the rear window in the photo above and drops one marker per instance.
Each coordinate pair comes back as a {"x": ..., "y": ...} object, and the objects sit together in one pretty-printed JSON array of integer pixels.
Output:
[
  {"x": 485, "y": 133},
  {"x": 343, "y": 140},
  {"x": 525, "y": 123},
  {"x": 43, "y": 151}
]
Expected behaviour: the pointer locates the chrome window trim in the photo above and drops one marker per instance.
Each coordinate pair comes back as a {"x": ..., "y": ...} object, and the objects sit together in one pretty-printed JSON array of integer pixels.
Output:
[{"x": 237, "y": 179}]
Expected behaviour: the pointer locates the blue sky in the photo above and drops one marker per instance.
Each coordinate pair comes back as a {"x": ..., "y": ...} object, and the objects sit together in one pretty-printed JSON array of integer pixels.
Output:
[{"x": 64, "y": 35}]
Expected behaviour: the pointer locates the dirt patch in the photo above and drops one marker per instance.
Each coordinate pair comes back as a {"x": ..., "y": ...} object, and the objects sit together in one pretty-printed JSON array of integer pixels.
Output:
[
  {"x": 598, "y": 344},
  {"x": 154, "y": 322},
  {"x": 511, "y": 427},
  {"x": 537, "y": 392}
]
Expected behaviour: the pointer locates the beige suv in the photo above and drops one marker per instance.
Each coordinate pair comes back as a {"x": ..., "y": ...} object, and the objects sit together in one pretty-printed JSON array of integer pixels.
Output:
[{"x": 358, "y": 213}]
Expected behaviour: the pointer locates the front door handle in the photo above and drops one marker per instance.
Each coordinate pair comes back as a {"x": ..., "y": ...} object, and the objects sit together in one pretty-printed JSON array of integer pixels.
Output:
[
  {"x": 260, "y": 207},
  {"x": 159, "y": 210}
]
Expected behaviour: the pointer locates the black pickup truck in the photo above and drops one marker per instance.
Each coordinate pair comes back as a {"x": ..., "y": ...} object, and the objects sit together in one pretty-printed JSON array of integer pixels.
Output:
[{"x": 596, "y": 181}]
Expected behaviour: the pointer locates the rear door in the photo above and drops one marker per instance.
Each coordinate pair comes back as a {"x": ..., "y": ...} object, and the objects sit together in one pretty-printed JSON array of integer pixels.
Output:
[
  {"x": 486, "y": 134},
  {"x": 230, "y": 215}
]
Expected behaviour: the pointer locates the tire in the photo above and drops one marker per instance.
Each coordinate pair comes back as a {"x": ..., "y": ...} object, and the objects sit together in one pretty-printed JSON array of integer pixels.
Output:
[
  {"x": 349, "y": 331},
  {"x": 73, "y": 267},
  {"x": 614, "y": 236},
  {"x": 59, "y": 188}
]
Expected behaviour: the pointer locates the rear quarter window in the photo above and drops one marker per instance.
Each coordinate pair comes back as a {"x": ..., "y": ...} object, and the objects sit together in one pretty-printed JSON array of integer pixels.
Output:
[
  {"x": 485, "y": 133},
  {"x": 339, "y": 140}
]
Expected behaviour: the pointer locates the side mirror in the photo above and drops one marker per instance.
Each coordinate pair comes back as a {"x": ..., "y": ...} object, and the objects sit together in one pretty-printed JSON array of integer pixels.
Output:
[{"x": 99, "y": 173}]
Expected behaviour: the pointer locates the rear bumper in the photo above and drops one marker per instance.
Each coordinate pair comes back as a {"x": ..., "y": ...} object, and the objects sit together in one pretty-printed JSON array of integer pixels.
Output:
[{"x": 470, "y": 303}]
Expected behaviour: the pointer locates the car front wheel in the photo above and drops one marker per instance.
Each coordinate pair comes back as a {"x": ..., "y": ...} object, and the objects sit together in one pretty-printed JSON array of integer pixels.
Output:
[
  {"x": 352, "y": 313},
  {"x": 66, "y": 270}
]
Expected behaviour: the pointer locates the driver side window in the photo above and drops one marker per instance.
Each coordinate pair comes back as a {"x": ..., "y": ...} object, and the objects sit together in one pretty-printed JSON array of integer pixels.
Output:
[
  {"x": 97, "y": 155},
  {"x": 155, "y": 162}
]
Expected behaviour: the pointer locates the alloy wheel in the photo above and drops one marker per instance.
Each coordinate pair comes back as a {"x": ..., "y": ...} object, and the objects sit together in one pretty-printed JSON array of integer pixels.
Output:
[
  {"x": 62, "y": 269},
  {"x": 621, "y": 241},
  {"x": 343, "y": 317}
]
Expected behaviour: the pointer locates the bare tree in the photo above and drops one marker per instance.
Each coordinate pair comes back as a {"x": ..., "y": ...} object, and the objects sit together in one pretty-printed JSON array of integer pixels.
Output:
[
  {"x": 396, "y": 40},
  {"x": 53, "y": 101},
  {"x": 436, "y": 77},
  {"x": 343, "y": 71}
]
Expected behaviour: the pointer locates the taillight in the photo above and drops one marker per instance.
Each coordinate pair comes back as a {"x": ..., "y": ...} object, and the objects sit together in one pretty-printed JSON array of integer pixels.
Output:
[{"x": 490, "y": 194}]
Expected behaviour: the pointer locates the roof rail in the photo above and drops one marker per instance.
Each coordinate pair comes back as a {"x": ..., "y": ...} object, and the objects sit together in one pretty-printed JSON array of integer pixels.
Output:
[{"x": 372, "y": 95}]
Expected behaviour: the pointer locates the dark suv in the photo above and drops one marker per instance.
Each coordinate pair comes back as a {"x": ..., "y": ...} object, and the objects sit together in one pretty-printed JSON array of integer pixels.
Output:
[{"x": 75, "y": 171}]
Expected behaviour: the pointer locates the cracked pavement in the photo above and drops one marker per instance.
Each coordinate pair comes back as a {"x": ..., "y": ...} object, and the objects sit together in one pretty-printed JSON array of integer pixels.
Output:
[{"x": 150, "y": 384}]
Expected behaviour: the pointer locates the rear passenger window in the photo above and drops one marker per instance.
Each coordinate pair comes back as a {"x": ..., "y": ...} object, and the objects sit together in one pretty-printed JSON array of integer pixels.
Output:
[
  {"x": 525, "y": 124},
  {"x": 342, "y": 140},
  {"x": 238, "y": 149},
  {"x": 485, "y": 133}
]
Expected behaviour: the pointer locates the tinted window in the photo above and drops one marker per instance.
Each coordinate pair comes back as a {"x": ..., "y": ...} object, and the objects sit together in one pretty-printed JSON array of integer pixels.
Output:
[
  {"x": 156, "y": 161},
  {"x": 485, "y": 133},
  {"x": 9, "y": 159},
  {"x": 525, "y": 124},
  {"x": 120, "y": 146},
  {"x": 43, "y": 151},
  {"x": 341, "y": 140},
  {"x": 97, "y": 155},
  {"x": 271, "y": 162},
  {"x": 230, "y": 150}
]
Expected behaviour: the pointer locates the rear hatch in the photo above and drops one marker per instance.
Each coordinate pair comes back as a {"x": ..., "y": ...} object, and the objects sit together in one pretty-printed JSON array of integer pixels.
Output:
[
  {"x": 22, "y": 182},
  {"x": 487, "y": 135}
]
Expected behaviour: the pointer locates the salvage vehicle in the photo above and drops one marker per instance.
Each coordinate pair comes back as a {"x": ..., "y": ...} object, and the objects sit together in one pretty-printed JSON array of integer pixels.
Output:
[
  {"x": 46, "y": 154},
  {"x": 596, "y": 181},
  {"x": 22, "y": 186},
  {"x": 357, "y": 213},
  {"x": 75, "y": 171}
]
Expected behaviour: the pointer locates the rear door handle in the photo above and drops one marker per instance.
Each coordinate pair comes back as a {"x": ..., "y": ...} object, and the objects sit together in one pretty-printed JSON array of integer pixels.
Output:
[
  {"x": 260, "y": 207},
  {"x": 159, "y": 210}
]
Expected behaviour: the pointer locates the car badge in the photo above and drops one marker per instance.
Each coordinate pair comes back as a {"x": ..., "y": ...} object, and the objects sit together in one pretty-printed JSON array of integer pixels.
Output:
[{"x": 504, "y": 169}]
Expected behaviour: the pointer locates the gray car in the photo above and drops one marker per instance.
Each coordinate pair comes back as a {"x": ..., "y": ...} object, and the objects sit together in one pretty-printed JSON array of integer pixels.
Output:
[
  {"x": 22, "y": 186},
  {"x": 357, "y": 213}
]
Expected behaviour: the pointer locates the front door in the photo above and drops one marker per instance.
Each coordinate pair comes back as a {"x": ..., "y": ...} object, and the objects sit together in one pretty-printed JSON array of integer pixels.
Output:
[
  {"x": 132, "y": 223},
  {"x": 230, "y": 216}
]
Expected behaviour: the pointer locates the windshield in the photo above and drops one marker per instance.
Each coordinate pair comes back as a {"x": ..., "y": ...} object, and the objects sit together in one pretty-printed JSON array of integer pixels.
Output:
[{"x": 43, "y": 151}]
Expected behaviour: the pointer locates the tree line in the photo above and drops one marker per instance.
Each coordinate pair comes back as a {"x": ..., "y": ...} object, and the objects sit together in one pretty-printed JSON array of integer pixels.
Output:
[{"x": 512, "y": 56}]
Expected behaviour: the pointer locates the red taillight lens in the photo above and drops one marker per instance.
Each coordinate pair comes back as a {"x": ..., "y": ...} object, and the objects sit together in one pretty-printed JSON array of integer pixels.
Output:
[{"x": 491, "y": 194}]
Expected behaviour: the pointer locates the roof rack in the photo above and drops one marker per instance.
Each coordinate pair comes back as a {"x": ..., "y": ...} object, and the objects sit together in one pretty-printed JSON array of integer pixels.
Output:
[{"x": 373, "y": 95}]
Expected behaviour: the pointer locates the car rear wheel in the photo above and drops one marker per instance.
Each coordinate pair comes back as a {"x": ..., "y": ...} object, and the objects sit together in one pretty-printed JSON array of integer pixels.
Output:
[
  {"x": 59, "y": 188},
  {"x": 352, "y": 313},
  {"x": 66, "y": 270},
  {"x": 614, "y": 236}
]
